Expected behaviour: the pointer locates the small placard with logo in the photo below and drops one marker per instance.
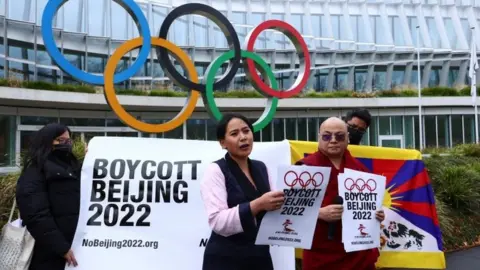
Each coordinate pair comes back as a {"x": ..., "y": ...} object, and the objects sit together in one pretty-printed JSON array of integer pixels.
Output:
[
  {"x": 362, "y": 197},
  {"x": 294, "y": 223}
]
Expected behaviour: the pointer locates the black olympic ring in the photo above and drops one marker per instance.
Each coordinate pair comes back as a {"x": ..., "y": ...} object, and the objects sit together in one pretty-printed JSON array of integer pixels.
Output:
[
  {"x": 360, "y": 184},
  {"x": 298, "y": 180},
  {"x": 225, "y": 26}
]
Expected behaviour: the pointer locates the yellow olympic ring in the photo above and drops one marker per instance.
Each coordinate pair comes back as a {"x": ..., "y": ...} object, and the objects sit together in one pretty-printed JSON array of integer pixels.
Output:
[{"x": 126, "y": 117}]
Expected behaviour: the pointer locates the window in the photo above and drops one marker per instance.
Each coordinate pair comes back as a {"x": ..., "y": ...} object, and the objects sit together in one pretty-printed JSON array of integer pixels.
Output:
[
  {"x": 290, "y": 128},
  {"x": 267, "y": 133},
  {"x": 457, "y": 130},
  {"x": 7, "y": 140},
  {"x": 37, "y": 120},
  {"x": 384, "y": 125},
  {"x": 89, "y": 135},
  {"x": 302, "y": 129},
  {"x": 469, "y": 126},
  {"x": 409, "y": 132},
  {"x": 313, "y": 126},
  {"x": 196, "y": 129},
  {"x": 443, "y": 131},
  {"x": 92, "y": 122},
  {"x": 430, "y": 131},
  {"x": 278, "y": 129},
  {"x": 175, "y": 134}
]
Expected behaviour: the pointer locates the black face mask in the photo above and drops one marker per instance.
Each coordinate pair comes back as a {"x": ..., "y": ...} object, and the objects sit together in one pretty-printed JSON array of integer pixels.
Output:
[
  {"x": 63, "y": 147},
  {"x": 355, "y": 136}
]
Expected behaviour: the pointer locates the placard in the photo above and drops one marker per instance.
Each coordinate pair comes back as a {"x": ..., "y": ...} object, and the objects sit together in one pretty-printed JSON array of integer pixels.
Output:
[
  {"x": 141, "y": 204},
  {"x": 294, "y": 223},
  {"x": 362, "y": 197}
]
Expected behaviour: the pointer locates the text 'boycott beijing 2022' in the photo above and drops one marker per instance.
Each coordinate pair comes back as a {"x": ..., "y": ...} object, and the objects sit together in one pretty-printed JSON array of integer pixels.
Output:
[{"x": 237, "y": 56}]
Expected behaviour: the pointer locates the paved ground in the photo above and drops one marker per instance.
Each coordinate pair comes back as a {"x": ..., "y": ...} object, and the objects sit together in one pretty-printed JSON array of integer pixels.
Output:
[{"x": 464, "y": 260}]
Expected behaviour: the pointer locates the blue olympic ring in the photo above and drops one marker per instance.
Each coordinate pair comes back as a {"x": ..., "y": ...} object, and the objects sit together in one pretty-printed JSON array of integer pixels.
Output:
[{"x": 47, "y": 33}]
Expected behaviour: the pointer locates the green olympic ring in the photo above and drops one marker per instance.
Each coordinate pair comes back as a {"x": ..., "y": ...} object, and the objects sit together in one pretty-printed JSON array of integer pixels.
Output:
[{"x": 265, "y": 70}]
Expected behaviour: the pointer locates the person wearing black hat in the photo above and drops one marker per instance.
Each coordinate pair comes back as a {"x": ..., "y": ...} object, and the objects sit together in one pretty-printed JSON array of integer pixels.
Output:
[{"x": 358, "y": 121}]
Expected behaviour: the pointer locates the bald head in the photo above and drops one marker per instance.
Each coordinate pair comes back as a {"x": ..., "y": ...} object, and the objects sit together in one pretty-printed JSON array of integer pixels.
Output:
[
  {"x": 333, "y": 137},
  {"x": 334, "y": 123}
]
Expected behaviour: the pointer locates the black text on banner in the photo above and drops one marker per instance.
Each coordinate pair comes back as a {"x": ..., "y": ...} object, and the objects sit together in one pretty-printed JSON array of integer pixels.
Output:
[{"x": 159, "y": 182}]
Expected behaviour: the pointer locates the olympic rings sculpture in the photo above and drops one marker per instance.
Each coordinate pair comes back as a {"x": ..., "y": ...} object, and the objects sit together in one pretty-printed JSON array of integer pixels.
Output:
[
  {"x": 303, "y": 183},
  {"x": 238, "y": 56},
  {"x": 360, "y": 184}
]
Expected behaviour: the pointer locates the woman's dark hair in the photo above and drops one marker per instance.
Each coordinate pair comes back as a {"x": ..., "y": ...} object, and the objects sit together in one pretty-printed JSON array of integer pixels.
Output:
[
  {"x": 222, "y": 124},
  {"x": 40, "y": 145}
]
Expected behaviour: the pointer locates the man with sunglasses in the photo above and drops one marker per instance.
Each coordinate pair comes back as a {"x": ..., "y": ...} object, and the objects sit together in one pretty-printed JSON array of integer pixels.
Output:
[
  {"x": 358, "y": 121},
  {"x": 327, "y": 251}
]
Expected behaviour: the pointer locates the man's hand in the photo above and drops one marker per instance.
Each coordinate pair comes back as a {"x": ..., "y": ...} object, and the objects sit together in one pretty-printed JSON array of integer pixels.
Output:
[
  {"x": 380, "y": 215},
  {"x": 331, "y": 213}
]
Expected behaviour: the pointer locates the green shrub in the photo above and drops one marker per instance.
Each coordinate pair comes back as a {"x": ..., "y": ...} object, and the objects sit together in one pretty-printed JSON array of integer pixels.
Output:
[
  {"x": 469, "y": 150},
  {"x": 466, "y": 91},
  {"x": 440, "y": 91},
  {"x": 454, "y": 180},
  {"x": 238, "y": 94},
  {"x": 447, "y": 224},
  {"x": 431, "y": 91},
  {"x": 7, "y": 195},
  {"x": 131, "y": 92},
  {"x": 457, "y": 186},
  {"x": 397, "y": 93},
  {"x": 167, "y": 93},
  {"x": 58, "y": 87},
  {"x": 435, "y": 150}
]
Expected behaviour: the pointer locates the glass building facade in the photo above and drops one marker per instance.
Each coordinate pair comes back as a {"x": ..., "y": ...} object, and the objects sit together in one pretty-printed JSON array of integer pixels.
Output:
[
  {"x": 389, "y": 128},
  {"x": 357, "y": 45}
]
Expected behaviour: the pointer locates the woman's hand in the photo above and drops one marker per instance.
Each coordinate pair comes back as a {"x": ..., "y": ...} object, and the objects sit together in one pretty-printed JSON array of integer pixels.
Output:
[
  {"x": 380, "y": 215},
  {"x": 269, "y": 201},
  {"x": 70, "y": 258},
  {"x": 272, "y": 200}
]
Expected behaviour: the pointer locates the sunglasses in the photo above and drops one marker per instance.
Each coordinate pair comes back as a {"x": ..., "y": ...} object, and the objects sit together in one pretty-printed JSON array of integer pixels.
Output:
[{"x": 338, "y": 137}]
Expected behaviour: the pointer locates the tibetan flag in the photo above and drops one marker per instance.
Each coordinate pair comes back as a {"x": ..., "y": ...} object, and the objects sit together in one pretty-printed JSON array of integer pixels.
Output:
[{"x": 411, "y": 236}]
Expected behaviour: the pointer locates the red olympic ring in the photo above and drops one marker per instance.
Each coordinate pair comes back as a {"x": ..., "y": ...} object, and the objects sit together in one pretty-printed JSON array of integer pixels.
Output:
[
  {"x": 302, "y": 52},
  {"x": 360, "y": 184},
  {"x": 298, "y": 180}
]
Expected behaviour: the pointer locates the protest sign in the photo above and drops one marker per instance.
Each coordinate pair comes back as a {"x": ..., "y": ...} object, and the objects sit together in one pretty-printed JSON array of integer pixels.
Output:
[
  {"x": 362, "y": 197},
  {"x": 294, "y": 223},
  {"x": 141, "y": 205}
]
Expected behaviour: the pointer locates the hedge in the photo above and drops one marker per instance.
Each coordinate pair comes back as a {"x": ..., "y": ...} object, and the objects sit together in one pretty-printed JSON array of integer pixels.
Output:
[
  {"x": 454, "y": 179},
  {"x": 427, "y": 92}
]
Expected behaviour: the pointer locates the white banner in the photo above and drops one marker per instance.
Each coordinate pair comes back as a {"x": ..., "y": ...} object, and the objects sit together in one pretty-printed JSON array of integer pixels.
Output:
[
  {"x": 362, "y": 197},
  {"x": 141, "y": 205},
  {"x": 294, "y": 224}
]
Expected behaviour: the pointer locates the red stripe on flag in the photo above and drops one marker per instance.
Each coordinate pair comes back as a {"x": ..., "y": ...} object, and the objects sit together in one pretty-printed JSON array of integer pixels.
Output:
[
  {"x": 424, "y": 209},
  {"x": 420, "y": 180}
]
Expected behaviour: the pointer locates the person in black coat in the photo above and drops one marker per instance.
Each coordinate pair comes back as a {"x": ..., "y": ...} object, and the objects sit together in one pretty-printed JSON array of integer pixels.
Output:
[{"x": 48, "y": 197}]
